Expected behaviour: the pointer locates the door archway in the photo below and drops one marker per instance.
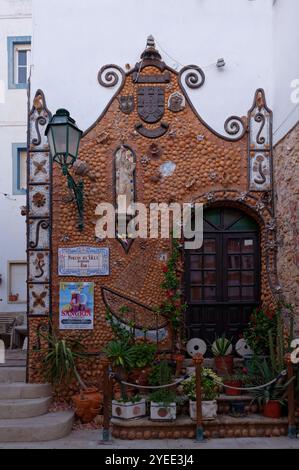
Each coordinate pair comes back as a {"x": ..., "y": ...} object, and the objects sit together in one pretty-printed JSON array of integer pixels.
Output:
[{"x": 222, "y": 278}]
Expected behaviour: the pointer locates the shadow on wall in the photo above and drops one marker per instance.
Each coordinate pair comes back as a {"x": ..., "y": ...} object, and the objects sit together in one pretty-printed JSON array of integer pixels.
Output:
[{"x": 2, "y": 352}]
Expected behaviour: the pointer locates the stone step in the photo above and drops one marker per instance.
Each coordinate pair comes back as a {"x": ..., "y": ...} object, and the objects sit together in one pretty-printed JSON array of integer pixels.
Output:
[
  {"x": 24, "y": 408},
  {"x": 11, "y": 391},
  {"x": 48, "y": 427},
  {"x": 12, "y": 374}
]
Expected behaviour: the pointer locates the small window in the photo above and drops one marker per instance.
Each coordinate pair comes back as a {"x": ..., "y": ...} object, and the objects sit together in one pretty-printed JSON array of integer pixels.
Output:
[
  {"x": 22, "y": 63},
  {"x": 18, "y": 53},
  {"x": 16, "y": 282},
  {"x": 19, "y": 155}
]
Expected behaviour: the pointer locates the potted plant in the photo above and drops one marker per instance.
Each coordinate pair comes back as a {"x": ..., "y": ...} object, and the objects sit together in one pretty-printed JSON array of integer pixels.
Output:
[
  {"x": 163, "y": 405},
  {"x": 269, "y": 398},
  {"x": 129, "y": 407},
  {"x": 143, "y": 358},
  {"x": 223, "y": 360},
  {"x": 121, "y": 355},
  {"x": 237, "y": 379},
  {"x": 163, "y": 400},
  {"x": 60, "y": 368},
  {"x": 210, "y": 386}
]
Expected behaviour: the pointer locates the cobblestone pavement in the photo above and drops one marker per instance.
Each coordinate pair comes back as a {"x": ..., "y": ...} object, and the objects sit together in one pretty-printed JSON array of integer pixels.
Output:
[{"x": 90, "y": 439}]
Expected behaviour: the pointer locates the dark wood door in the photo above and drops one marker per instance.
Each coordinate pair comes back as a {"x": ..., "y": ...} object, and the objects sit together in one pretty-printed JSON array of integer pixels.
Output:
[{"x": 222, "y": 277}]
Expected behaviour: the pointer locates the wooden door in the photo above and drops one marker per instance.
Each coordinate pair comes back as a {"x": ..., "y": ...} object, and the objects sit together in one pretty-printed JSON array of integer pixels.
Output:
[{"x": 222, "y": 277}]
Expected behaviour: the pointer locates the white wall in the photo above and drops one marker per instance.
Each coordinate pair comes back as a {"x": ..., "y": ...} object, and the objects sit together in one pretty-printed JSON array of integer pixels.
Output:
[
  {"x": 74, "y": 38},
  {"x": 15, "y": 20},
  {"x": 286, "y": 64}
]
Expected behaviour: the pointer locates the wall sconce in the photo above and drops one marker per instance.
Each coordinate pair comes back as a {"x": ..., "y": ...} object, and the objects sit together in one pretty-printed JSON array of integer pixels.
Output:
[
  {"x": 220, "y": 63},
  {"x": 64, "y": 139}
]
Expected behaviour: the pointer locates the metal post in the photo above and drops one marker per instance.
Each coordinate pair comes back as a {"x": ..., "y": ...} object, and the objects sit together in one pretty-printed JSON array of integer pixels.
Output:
[
  {"x": 292, "y": 431},
  {"x": 197, "y": 361},
  {"x": 107, "y": 389}
]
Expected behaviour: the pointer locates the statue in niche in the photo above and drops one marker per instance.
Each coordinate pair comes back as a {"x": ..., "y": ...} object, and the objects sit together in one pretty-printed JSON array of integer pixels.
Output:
[{"x": 124, "y": 175}]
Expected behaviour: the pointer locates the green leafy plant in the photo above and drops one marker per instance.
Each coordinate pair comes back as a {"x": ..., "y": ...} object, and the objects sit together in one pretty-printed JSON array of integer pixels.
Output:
[
  {"x": 270, "y": 332},
  {"x": 210, "y": 385},
  {"x": 161, "y": 374},
  {"x": 59, "y": 361},
  {"x": 172, "y": 307},
  {"x": 221, "y": 346},
  {"x": 120, "y": 353},
  {"x": 132, "y": 399},
  {"x": 164, "y": 395},
  {"x": 143, "y": 354},
  {"x": 260, "y": 372}
]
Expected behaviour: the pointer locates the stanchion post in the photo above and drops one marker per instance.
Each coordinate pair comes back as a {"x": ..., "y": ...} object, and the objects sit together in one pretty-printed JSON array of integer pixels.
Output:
[
  {"x": 107, "y": 390},
  {"x": 292, "y": 431},
  {"x": 197, "y": 361}
]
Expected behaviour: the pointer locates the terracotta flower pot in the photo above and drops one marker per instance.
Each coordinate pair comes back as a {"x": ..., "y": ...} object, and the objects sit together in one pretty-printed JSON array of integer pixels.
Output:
[
  {"x": 224, "y": 365},
  {"x": 272, "y": 409},
  {"x": 230, "y": 391},
  {"x": 87, "y": 404}
]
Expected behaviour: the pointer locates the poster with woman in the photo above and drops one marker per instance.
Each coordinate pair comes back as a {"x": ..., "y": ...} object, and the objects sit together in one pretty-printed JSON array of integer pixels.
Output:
[{"x": 76, "y": 305}]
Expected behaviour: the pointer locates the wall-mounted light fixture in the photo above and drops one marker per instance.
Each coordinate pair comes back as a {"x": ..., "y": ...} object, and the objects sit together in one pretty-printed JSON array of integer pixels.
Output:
[
  {"x": 64, "y": 139},
  {"x": 220, "y": 63}
]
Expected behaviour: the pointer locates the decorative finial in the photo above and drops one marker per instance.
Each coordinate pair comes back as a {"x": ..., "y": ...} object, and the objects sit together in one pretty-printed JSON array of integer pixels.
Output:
[
  {"x": 150, "y": 52},
  {"x": 150, "y": 41}
]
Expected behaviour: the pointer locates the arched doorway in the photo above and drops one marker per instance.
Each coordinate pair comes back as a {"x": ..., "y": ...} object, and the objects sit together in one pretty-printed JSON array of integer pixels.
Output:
[{"x": 222, "y": 278}]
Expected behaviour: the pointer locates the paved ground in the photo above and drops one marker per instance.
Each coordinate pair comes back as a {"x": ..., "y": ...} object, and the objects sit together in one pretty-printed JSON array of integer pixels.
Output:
[{"x": 90, "y": 439}]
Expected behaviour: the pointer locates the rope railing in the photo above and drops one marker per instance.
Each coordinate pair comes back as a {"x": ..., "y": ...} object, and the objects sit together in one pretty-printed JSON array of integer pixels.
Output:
[{"x": 109, "y": 375}]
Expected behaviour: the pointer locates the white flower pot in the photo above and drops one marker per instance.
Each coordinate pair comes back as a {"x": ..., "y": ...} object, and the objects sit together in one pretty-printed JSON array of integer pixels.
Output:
[
  {"x": 128, "y": 410},
  {"x": 209, "y": 409},
  {"x": 162, "y": 412}
]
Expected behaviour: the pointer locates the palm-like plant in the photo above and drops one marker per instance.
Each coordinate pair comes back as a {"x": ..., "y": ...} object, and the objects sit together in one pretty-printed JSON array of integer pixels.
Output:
[{"x": 60, "y": 359}]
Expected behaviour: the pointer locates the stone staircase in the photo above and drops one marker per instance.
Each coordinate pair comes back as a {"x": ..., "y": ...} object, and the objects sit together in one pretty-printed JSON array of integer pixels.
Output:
[{"x": 24, "y": 415}]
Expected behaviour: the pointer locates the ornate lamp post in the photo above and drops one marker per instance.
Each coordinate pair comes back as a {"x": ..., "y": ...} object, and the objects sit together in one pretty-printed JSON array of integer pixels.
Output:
[{"x": 64, "y": 139}]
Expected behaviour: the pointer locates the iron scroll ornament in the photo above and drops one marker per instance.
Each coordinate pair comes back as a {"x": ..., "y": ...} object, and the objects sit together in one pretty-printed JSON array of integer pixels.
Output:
[
  {"x": 194, "y": 79},
  {"x": 111, "y": 77},
  {"x": 40, "y": 121},
  {"x": 260, "y": 118},
  {"x": 235, "y": 126},
  {"x": 44, "y": 224}
]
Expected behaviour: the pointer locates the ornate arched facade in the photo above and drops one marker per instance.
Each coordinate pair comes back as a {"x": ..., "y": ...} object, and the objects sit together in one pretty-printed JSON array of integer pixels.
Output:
[{"x": 174, "y": 156}]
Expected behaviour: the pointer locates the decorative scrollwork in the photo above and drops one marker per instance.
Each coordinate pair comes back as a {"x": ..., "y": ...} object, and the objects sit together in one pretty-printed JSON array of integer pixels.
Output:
[
  {"x": 259, "y": 117},
  {"x": 44, "y": 224},
  {"x": 40, "y": 121},
  {"x": 42, "y": 331},
  {"x": 111, "y": 77},
  {"x": 235, "y": 126},
  {"x": 195, "y": 78}
]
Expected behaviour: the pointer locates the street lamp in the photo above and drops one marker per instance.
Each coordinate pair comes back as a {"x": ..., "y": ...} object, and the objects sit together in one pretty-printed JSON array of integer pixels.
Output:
[{"x": 64, "y": 139}]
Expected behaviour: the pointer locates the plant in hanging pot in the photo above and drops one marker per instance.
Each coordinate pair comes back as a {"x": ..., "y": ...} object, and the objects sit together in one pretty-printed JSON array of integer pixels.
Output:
[
  {"x": 59, "y": 364},
  {"x": 210, "y": 387},
  {"x": 223, "y": 360}
]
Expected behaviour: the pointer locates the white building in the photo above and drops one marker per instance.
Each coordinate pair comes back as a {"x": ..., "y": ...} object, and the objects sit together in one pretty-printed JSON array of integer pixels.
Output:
[{"x": 15, "y": 47}]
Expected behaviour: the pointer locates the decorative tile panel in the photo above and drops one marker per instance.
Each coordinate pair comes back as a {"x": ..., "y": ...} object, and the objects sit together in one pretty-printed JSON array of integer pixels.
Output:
[
  {"x": 39, "y": 299},
  {"x": 39, "y": 200},
  {"x": 39, "y": 168},
  {"x": 39, "y": 266},
  {"x": 260, "y": 144}
]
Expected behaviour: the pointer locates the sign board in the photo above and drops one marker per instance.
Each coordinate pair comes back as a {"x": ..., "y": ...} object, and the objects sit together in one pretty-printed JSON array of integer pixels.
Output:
[
  {"x": 83, "y": 261},
  {"x": 76, "y": 305}
]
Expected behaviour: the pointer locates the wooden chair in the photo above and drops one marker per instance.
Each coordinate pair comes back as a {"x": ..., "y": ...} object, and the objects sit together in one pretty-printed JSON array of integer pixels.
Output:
[{"x": 7, "y": 328}]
